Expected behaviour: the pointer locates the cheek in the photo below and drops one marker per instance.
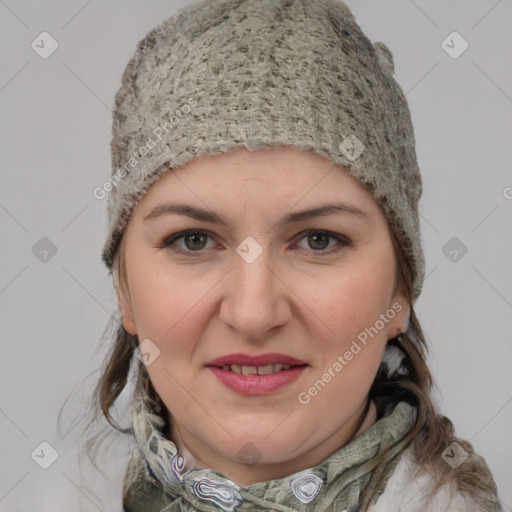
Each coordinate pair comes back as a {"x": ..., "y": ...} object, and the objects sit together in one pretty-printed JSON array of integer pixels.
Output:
[
  {"x": 351, "y": 350},
  {"x": 347, "y": 305},
  {"x": 161, "y": 304}
]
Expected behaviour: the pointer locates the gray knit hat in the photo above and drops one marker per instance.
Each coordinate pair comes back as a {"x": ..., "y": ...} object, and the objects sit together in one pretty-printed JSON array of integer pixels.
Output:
[{"x": 225, "y": 74}]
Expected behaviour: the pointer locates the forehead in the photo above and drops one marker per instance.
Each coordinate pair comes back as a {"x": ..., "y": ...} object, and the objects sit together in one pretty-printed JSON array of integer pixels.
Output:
[{"x": 271, "y": 174}]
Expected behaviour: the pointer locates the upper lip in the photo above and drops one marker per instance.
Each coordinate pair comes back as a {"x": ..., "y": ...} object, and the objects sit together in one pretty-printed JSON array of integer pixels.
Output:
[{"x": 260, "y": 360}]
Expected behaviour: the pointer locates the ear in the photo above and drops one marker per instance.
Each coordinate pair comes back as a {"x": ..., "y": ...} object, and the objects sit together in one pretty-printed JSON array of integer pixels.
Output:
[
  {"x": 124, "y": 302},
  {"x": 402, "y": 307}
]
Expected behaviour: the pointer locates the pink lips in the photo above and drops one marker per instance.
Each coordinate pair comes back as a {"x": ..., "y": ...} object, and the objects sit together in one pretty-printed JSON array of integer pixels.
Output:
[
  {"x": 261, "y": 360},
  {"x": 256, "y": 384}
]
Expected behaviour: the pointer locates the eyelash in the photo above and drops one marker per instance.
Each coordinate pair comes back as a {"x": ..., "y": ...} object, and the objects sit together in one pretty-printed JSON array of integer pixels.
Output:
[{"x": 171, "y": 240}]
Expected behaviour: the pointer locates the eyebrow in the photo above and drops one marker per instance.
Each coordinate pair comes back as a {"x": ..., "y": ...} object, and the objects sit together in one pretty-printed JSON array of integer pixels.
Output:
[{"x": 214, "y": 218}]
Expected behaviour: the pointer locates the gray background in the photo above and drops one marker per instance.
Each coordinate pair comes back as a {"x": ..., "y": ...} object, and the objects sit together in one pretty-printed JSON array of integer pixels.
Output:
[{"x": 55, "y": 133}]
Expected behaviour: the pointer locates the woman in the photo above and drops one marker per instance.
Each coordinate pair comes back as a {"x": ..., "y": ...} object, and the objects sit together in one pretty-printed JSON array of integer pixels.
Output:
[{"x": 265, "y": 248}]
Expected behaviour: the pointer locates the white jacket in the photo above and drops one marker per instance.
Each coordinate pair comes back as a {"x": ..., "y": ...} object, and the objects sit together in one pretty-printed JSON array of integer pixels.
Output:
[{"x": 406, "y": 493}]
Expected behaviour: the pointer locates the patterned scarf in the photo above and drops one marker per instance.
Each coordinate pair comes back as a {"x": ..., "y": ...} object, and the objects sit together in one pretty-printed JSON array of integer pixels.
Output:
[{"x": 159, "y": 479}]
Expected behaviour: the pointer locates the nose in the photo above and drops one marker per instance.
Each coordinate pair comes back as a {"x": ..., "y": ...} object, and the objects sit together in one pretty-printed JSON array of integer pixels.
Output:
[{"x": 256, "y": 299}]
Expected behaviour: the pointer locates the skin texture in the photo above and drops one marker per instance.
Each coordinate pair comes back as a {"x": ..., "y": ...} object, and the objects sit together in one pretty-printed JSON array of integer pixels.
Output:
[{"x": 294, "y": 299}]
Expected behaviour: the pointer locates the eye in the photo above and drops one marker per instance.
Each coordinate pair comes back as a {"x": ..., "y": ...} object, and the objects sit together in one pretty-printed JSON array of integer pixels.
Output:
[
  {"x": 195, "y": 241},
  {"x": 318, "y": 241}
]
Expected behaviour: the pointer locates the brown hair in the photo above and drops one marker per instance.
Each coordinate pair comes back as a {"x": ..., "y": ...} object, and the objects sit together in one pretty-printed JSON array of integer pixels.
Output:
[{"x": 431, "y": 434}]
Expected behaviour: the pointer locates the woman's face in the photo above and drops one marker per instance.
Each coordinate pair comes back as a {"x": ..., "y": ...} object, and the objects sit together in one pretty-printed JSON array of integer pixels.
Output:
[{"x": 260, "y": 285}]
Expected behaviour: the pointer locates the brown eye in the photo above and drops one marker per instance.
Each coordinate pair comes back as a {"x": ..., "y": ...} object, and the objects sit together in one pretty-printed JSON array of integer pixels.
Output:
[
  {"x": 193, "y": 241},
  {"x": 318, "y": 241}
]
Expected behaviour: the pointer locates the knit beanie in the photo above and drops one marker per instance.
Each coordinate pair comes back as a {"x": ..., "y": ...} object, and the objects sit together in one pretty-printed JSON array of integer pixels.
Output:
[{"x": 226, "y": 74}]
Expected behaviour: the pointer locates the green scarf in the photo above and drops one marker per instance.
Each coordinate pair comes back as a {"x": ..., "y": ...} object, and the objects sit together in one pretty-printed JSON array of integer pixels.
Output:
[{"x": 157, "y": 479}]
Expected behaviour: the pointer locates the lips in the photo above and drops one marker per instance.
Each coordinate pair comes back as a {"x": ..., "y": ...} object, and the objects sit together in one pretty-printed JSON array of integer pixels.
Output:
[
  {"x": 261, "y": 360},
  {"x": 256, "y": 375},
  {"x": 256, "y": 370}
]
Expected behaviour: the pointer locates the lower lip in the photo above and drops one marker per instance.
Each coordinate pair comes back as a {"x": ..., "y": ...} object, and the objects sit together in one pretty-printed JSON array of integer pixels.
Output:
[{"x": 257, "y": 384}]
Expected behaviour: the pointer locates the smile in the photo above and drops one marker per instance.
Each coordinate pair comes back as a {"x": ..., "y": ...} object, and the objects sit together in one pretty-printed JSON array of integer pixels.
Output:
[
  {"x": 256, "y": 370},
  {"x": 256, "y": 374}
]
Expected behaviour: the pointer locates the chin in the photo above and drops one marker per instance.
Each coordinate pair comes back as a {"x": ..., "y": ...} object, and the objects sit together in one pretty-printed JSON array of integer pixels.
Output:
[{"x": 248, "y": 448}]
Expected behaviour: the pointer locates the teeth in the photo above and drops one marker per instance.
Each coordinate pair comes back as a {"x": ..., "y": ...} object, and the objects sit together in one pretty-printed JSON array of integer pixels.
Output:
[
  {"x": 265, "y": 370},
  {"x": 249, "y": 370},
  {"x": 256, "y": 370}
]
